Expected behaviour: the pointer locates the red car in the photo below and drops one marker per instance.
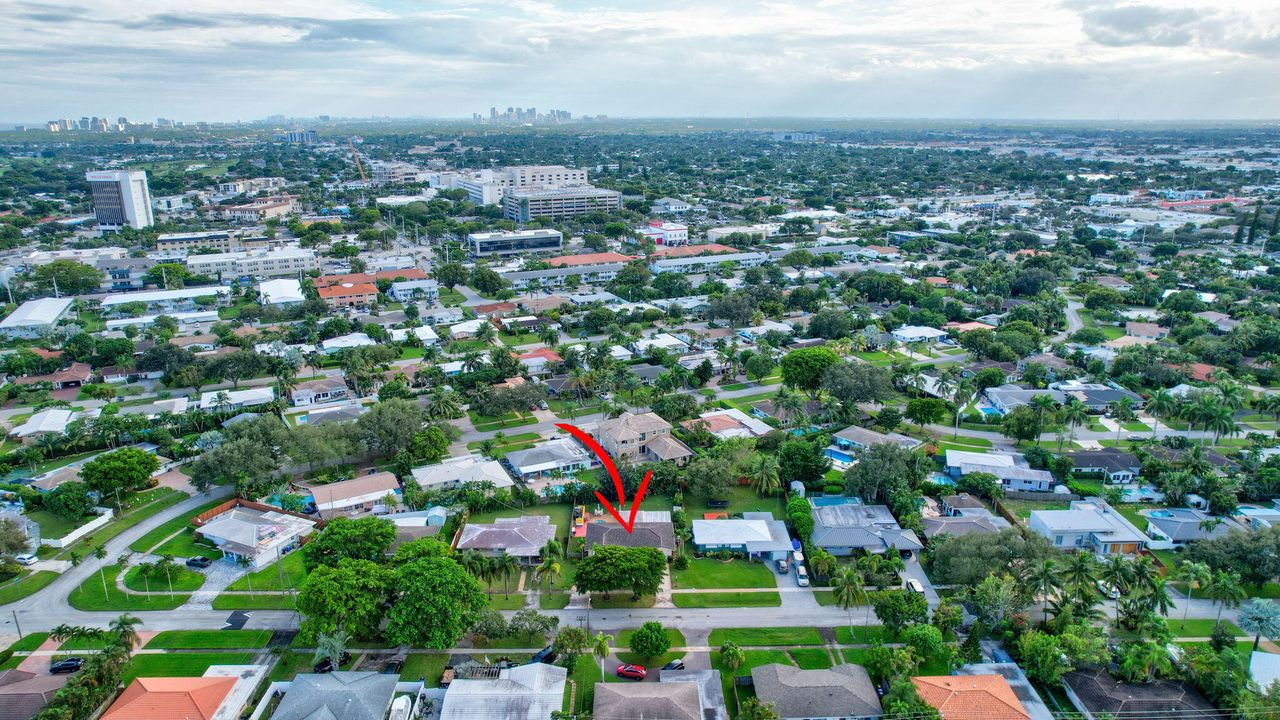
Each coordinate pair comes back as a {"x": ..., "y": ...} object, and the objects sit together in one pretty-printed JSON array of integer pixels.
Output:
[{"x": 632, "y": 672}]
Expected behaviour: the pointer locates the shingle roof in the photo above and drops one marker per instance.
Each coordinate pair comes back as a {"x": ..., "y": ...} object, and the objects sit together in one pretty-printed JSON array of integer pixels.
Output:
[
  {"x": 23, "y": 694},
  {"x": 338, "y": 695},
  {"x": 643, "y": 534},
  {"x": 527, "y": 692},
  {"x": 842, "y": 691},
  {"x": 519, "y": 536},
  {"x": 643, "y": 701}
]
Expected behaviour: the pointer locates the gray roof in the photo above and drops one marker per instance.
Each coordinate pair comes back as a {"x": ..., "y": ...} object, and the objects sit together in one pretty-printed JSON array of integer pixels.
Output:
[
  {"x": 866, "y": 438},
  {"x": 1184, "y": 525},
  {"x": 1012, "y": 396},
  {"x": 643, "y": 701},
  {"x": 871, "y": 527},
  {"x": 337, "y": 696},
  {"x": 643, "y": 534},
  {"x": 842, "y": 691},
  {"x": 558, "y": 452},
  {"x": 564, "y": 271},
  {"x": 1109, "y": 459},
  {"x": 756, "y": 531},
  {"x": 522, "y": 536},
  {"x": 964, "y": 525}
]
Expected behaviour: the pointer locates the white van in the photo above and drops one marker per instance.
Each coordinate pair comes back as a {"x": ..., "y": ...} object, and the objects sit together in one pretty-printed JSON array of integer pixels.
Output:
[{"x": 802, "y": 576}]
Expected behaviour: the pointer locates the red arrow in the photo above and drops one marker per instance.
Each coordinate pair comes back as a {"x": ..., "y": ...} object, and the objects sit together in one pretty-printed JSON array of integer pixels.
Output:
[{"x": 630, "y": 523}]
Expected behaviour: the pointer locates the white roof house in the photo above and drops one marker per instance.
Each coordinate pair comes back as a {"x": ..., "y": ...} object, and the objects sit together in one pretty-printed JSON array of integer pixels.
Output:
[
  {"x": 757, "y": 533},
  {"x": 284, "y": 291},
  {"x": 184, "y": 319},
  {"x": 1089, "y": 524},
  {"x": 457, "y": 471},
  {"x": 35, "y": 317},
  {"x": 345, "y": 342},
  {"x": 53, "y": 420},
  {"x": 664, "y": 341},
  {"x": 467, "y": 328},
  {"x": 236, "y": 399},
  {"x": 956, "y": 457},
  {"x": 917, "y": 333},
  {"x": 424, "y": 334},
  {"x": 258, "y": 537},
  {"x": 162, "y": 297},
  {"x": 524, "y": 692}
]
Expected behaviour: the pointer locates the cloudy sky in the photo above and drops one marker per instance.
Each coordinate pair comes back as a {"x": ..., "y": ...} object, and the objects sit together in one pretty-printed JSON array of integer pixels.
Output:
[{"x": 232, "y": 59}]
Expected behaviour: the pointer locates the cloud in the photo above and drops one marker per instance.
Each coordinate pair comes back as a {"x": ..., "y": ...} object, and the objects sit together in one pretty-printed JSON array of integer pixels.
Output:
[{"x": 227, "y": 59}]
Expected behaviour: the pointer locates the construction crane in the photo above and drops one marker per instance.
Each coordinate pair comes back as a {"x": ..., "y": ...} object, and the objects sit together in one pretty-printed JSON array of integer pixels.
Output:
[{"x": 356, "y": 156}]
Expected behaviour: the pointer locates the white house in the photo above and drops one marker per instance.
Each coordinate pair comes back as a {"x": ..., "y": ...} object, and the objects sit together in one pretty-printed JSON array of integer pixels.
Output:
[
  {"x": 662, "y": 341},
  {"x": 236, "y": 399},
  {"x": 53, "y": 421},
  {"x": 458, "y": 471},
  {"x": 1089, "y": 524},
  {"x": 281, "y": 293},
  {"x": 524, "y": 692},
  {"x": 35, "y": 318},
  {"x": 425, "y": 335},
  {"x": 410, "y": 290},
  {"x": 917, "y": 333},
  {"x": 255, "y": 536},
  {"x": 356, "y": 496},
  {"x": 346, "y": 342}
]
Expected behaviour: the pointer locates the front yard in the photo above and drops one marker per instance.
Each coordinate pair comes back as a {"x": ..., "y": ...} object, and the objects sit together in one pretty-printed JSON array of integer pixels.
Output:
[{"x": 711, "y": 574}]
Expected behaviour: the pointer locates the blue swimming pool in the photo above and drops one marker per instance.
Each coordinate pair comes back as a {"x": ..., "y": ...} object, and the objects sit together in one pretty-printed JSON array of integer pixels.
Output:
[
  {"x": 1159, "y": 513},
  {"x": 942, "y": 479},
  {"x": 840, "y": 455},
  {"x": 989, "y": 411},
  {"x": 833, "y": 500}
]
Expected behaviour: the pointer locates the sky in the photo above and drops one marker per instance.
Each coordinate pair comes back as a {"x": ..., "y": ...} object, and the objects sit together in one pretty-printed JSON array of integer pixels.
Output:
[{"x": 225, "y": 60}]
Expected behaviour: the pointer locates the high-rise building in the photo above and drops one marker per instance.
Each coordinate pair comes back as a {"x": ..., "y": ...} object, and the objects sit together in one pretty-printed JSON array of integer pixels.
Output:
[
  {"x": 302, "y": 137},
  {"x": 120, "y": 198},
  {"x": 556, "y": 203}
]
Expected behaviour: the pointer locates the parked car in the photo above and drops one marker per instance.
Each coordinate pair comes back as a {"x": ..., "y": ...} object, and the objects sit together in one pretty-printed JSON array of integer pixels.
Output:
[
  {"x": 632, "y": 672},
  {"x": 1110, "y": 591},
  {"x": 545, "y": 655},
  {"x": 802, "y": 576},
  {"x": 782, "y": 565},
  {"x": 914, "y": 586},
  {"x": 326, "y": 665},
  {"x": 199, "y": 562},
  {"x": 26, "y": 559},
  {"x": 66, "y": 665},
  {"x": 797, "y": 558},
  {"x": 676, "y": 664}
]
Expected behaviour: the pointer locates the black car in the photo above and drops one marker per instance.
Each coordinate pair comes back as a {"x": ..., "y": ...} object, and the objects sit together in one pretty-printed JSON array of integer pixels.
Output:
[
  {"x": 674, "y": 665},
  {"x": 66, "y": 665},
  {"x": 198, "y": 562},
  {"x": 326, "y": 665},
  {"x": 545, "y": 655},
  {"x": 393, "y": 667}
]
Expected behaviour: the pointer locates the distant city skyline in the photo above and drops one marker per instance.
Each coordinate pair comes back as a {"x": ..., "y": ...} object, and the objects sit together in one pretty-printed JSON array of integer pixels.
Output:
[{"x": 228, "y": 60}]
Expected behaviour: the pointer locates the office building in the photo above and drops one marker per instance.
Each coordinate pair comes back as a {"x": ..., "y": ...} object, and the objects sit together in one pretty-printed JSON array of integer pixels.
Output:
[
  {"x": 557, "y": 203},
  {"x": 489, "y": 187},
  {"x": 250, "y": 186},
  {"x": 223, "y": 240},
  {"x": 259, "y": 210},
  {"x": 121, "y": 199},
  {"x": 273, "y": 262},
  {"x": 666, "y": 234},
  {"x": 515, "y": 243}
]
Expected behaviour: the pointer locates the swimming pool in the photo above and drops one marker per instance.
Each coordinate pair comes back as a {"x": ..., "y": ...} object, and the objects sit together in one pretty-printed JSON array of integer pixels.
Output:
[
  {"x": 989, "y": 410},
  {"x": 1159, "y": 514},
  {"x": 840, "y": 455},
  {"x": 942, "y": 479},
  {"x": 834, "y": 500}
]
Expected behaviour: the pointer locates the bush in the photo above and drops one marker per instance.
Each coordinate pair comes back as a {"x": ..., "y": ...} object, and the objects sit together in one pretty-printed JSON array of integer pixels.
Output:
[
  {"x": 650, "y": 640},
  {"x": 832, "y": 489},
  {"x": 681, "y": 562}
]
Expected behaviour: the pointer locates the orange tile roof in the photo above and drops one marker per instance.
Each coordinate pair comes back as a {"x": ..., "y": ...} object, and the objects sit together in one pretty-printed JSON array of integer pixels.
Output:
[
  {"x": 346, "y": 290},
  {"x": 177, "y": 698},
  {"x": 406, "y": 273},
  {"x": 715, "y": 423},
  {"x": 935, "y": 280},
  {"x": 964, "y": 327},
  {"x": 498, "y": 307},
  {"x": 971, "y": 697},
  {"x": 589, "y": 259},
  {"x": 692, "y": 250},
  {"x": 881, "y": 249},
  {"x": 546, "y": 353}
]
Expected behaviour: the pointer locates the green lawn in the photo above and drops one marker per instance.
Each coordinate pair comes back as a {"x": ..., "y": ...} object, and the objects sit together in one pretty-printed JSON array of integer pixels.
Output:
[
  {"x": 450, "y": 297},
  {"x": 488, "y": 423},
  {"x": 580, "y": 694},
  {"x": 163, "y": 531},
  {"x": 1200, "y": 627},
  {"x": 524, "y": 338},
  {"x": 718, "y": 600},
  {"x": 179, "y": 577},
  {"x": 765, "y": 636},
  {"x": 621, "y": 599},
  {"x": 623, "y": 638},
  {"x": 860, "y": 634},
  {"x": 269, "y": 577},
  {"x": 89, "y": 596},
  {"x": 1135, "y": 427},
  {"x": 741, "y": 499},
  {"x": 56, "y": 526},
  {"x": 945, "y": 445},
  {"x": 571, "y": 408},
  {"x": 428, "y": 666},
  {"x": 255, "y": 601},
  {"x": 29, "y": 642},
  {"x": 509, "y": 444},
  {"x": 1023, "y": 508},
  {"x": 513, "y": 601},
  {"x": 210, "y": 639},
  {"x": 184, "y": 545},
  {"x": 181, "y": 664},
  {"x": 710, "y": 574},
  {"x": 291, "y": 663},
  {"x": 561, "y": 515},
  {"x": 25, "y": 586},
  {"x": 811, "y": 658},
  {"x": 553, "y": 601}
]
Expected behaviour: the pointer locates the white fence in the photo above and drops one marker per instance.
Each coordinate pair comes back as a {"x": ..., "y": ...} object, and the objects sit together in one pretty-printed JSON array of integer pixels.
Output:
[{"x": 104, "y": 517}]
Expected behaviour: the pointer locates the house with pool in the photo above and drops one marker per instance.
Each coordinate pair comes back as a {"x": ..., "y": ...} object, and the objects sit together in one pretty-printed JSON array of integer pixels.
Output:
[
  {"x": 1090, "y": 524},
  {"x": 1012, "y": 471},
  {"x": 846, "y": 444},
  {"x": 757, "y": 535},
  {"x": 1169, "y": 528},
  {"x": 842, "y": 525}
]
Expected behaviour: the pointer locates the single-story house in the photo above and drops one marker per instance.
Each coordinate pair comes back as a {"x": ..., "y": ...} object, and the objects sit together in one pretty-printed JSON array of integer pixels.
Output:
[
  {"x": 255, "y": 536},
  {"x": 678, "y": 695},
  {"x": 236, "y": 399},
  {"x": 535, "y": 362},
  {"x": 1102, "y": 695},
  {"x": 1264, "y": 668},
  {"x": 1174, "y": 527},
  {"x": 757, "y": 534},
  {"x": 24, "y": 694},
  {"x": 652, "y": 528},
  {"x": 1114, "y": 466},
  {"x": 960, "y": 697},
  {"x": 525, "y": 692},
  {"x": 315, "y": 392},
  {"x": 732, "y": 423},
  {"x": 766, "y": 409},
  {"x": 646, "y": 372},
  {"x": 340, "y": 695},
  {"x": 75, "y": 375},
  {"x": 220, "y": 694},
  {"x": 545, "y": 458},
  {"x": 1089, "y": 524},
  {"x": 1012, "y": 474},
  {"x": 1005, "y": 398},
  {"x": 1017, "y": 681},
  {"x": 860, "y": 438},
  {"x": 841, "y": 529},
  {"x": 520, "y": 537},
  {"x": 917, "y": 333},
  {"x": 53, "y": 421},
  {"x": 968, "y": 522},
  {"x": 425, "y": 335},
  {"x": 355, "y": 496},
  {"x": 1146, "y": 330},
  {"x": 458, "y": 471},
  {"x": 661, "y": 341},
  {"x": 35, "y": 318},
  {"x": 1097, "y": 396},
  {"x": 843, "y": 691},
  {"x": 346, "y": 342}
]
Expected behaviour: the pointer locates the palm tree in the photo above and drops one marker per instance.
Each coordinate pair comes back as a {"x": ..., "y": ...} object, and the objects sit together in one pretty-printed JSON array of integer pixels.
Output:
[
  {"x": 1123, "y": 413},
  {"x": 1225, "y": 589},
  {"x": 504, "y": 567},
  {"x": 548, "y": 335},
  {"x": 124, "y": 628},
  {"x": 1196, "y": 463},
  {"x": 332, "y": 646},
  {"x": 1161, "y": 404},
  {"x": 963, "y": 394},
  {"x": 1044, "y": 580},
  {"x": 1144, "y": 573},
  {"x": 1074, "y": 414},
  {"x": 549, "y": 569},
  {"x": 848, "y": 590},
  {"x": 1118, "y": 573},
  {"x": 579, "y": 380},
  {"x": 731, "y": 658},
  {"x": 1195, "y": 574},
  {"x": 486, "y": 332},
  {"x": 1260, "y": 617},
  {"x": 1222, "y": 421},
  {"x": 1156, "y": 596},
  {"x": 765, "y": 477},
  {"x": 1079, "y": 572},
  {"x": 1042, "y": 404},
  {"x": 600, "y": 648},
  {"x": 791, "y": 406},
  {"x": 1231, "y": 394},
  {"x": 100, "y": 553}
]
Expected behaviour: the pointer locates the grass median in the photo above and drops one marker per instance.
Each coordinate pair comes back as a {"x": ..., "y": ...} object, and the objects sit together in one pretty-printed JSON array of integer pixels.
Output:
[{"x": 726, "y": 600}]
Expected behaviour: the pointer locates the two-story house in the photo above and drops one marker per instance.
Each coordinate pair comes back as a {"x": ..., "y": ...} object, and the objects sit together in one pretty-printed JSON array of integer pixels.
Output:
[
  {"x": 1090, "y": 524},
  {"x": 640, "y": 438}
]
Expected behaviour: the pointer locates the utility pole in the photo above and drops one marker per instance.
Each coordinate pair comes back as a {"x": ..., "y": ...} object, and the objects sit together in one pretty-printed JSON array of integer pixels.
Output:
[
  {"x": 16, "y": 624},
  {"x": 55, "y": 287}
]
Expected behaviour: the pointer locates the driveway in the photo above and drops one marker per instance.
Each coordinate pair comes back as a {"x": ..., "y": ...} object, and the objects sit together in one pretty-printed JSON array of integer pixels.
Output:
[
  {"x": 793, "y": 596},
  {"x": 913, "y": 570}
]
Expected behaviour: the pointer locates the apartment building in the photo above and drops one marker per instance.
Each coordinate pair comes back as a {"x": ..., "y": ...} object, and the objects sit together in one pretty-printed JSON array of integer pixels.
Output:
[
  {"x": 556, "y": 203},
  {"x": 348, "y": 294},
  {"x": 397, "y": 173},
  {"x": 762, "y": 231},
  {"x": 260, "y": 210},
  {"x": 224, "y": 240},
  {"x": 706, "y": 262},
  {"x": 250, "y": 186},
  {"x": 167, "y": 302},
  {"x": 489, "y": 187},
  {"x": 555, "y": 277},
  {"x": 265, "y": 262},
  {"x": 521, "y": 242}
]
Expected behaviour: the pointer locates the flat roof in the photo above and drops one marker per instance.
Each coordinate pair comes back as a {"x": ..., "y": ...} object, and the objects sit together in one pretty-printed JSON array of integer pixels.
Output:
[
  {"x": 44, "y": 311},
  {"x": 162, "y": 295}
]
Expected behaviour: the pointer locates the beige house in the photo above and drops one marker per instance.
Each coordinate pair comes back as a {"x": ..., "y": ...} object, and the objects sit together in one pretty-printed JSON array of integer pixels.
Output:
[{"x": 640, "y": 438}]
